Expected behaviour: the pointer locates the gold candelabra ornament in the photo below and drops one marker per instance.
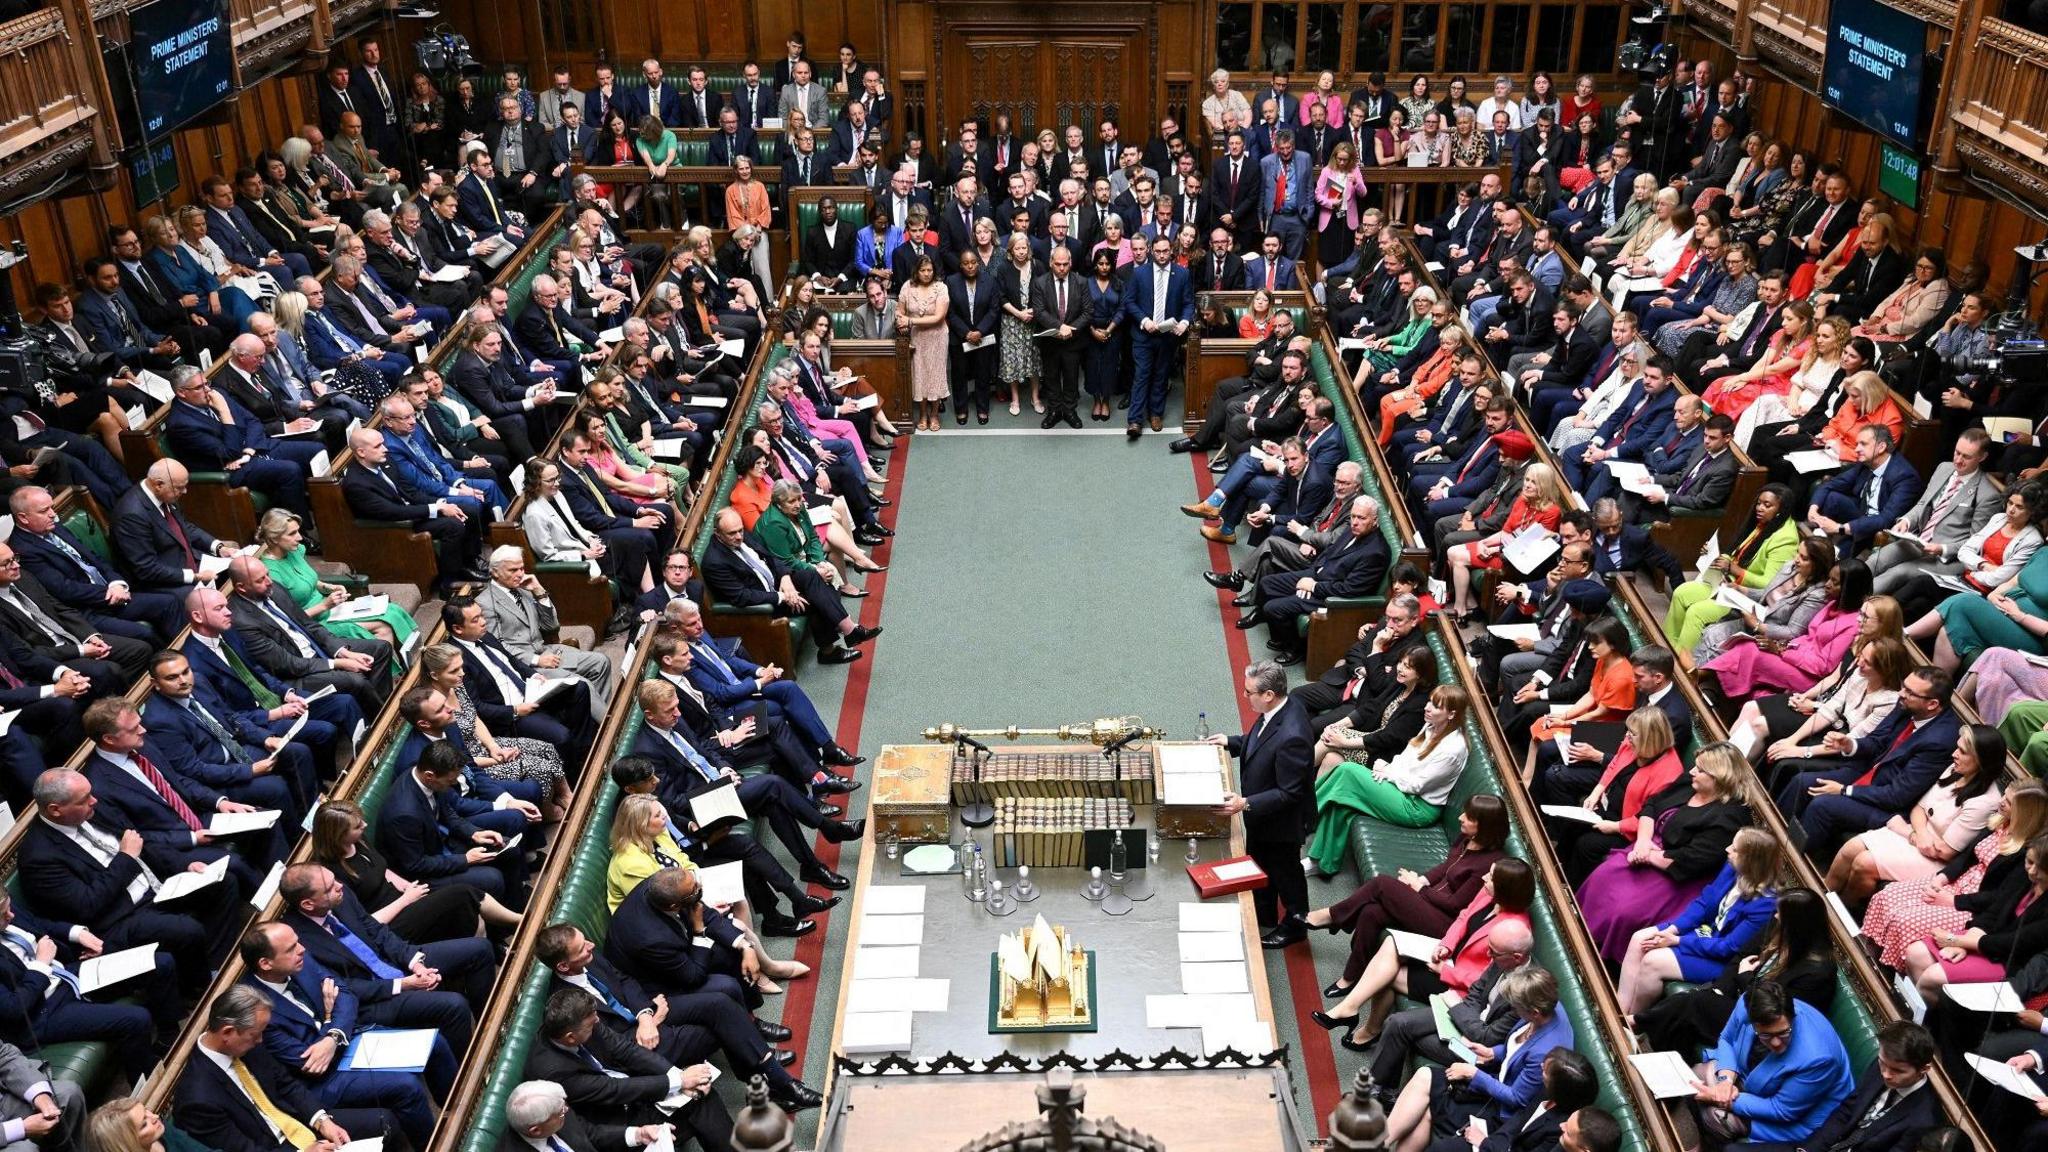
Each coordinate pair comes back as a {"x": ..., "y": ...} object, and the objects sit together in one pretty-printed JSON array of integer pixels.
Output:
[
  {"x": 1101, "y": 733},
  {"x": 1042, "y": 982}
]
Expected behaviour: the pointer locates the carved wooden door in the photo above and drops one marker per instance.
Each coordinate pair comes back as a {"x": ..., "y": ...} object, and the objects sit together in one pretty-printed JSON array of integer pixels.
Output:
[{"x": 1046, "y": 81}]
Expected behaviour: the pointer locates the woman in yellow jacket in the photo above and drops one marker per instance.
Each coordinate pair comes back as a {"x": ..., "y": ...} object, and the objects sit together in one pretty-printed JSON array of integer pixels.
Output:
[
  {"x": 642, "y": 846},
  {"x": 1751, "y": 566}
]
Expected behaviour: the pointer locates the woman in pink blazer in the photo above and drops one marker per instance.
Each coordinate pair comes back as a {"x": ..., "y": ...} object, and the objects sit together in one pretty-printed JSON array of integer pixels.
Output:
[
  {"x": 1325, "y": 94},
  {"x": 1340, "y": 197},
  {"x": 1460, "y": 957}
]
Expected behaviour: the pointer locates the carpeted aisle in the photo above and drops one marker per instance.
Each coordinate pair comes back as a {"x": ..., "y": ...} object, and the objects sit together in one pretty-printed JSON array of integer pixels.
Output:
[{"x": 1039, "y": 578}]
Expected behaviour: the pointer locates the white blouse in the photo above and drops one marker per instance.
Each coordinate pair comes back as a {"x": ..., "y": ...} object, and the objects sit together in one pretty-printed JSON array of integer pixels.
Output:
[{"x": 1428, "y": 777}]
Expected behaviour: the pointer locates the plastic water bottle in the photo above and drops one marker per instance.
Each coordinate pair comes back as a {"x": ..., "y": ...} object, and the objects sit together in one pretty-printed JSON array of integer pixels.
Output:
[
  {"x": 1152, "y": 850},
  {"x": 1202, "y": 724},
  {"x": 1119, "y": 858},
  {"x": 1194, "y": 851}
]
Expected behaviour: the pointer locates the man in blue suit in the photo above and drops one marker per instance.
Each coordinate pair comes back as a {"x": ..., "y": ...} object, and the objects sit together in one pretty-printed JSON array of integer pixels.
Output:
[
  {"x": 253, "y": 703},
  {"x": 231, "y": 228},
  {"x": 1276, "y": 794},
  {"x": 209, "y": 431},
  {"x": 732, "y": 139},
  {"x": 1637, "y": 424},
  {"x": 40, "y": 1000},
  {"x": 312, "y": 1022},
  {"x": 1876, "y": 493},
  {"x": 659, "y": 98},
  {"x": 214, "y": 1100},
  {"x": 1883, "y": 774},
  {"x": 1456, "y": 408},
  {"x": 724, "y": 674},
  {"x": 1159, "y": 304},
  {"x": 1440, "y": 491},
  {"x": 425, "y": 830},
  {"x": 398, "y": 983},
  {"x": 412, "y": 456},
  {"x": 81, "y": 578},
  {"x": 104, "y": 307},
  {"x": 1286, "y": 194},
  {"x": 202, "y": 746},
  {"x": 1270, "y": 269},
  {"x": 1354, "y": 566},
  {"x": 431, "y": 715},
  {"x": 330, "y": 345},
  {"x": 1779, "y": 1065},
  {"x": 667, "y": 938}
]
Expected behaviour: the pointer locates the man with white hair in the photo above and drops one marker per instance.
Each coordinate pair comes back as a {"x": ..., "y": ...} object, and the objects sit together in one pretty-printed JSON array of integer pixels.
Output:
[
  {"x": 1292, "y": 545},
  {"x": 418, "y": 463},
  {"x": 519, "y": 612},
  {"x": 538, "y": 1119}
]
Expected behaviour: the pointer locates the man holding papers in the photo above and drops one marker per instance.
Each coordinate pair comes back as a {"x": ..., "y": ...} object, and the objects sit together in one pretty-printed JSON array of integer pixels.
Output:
[
  {"x": 538, "y": 1119},
  {"x": 750, "y": 737},
  {"x": 1477, "y": 1019},
  {"x": 313, "y": 1021},
  {"x": 294, "y": 647},
  {"x": 1275, "y": 793},
  {"x": 1870, "y": 495},
  {"x": 518, "y": 611},
  {"x": 73, "y": 864},
  {"x": 202, "y": 743},
  {"x": 255, "y": 705},
  {"x": 501, "y": 686},
  {"x": 1699, "y": 482},
  {"x": 666, "y": 937},
  {"x": 235, "y": 1096},
  {"x": 425, "y": 830},
  {"x": 610, "y": 1081},
  {"x": 1959, "y": 500},
  {"x": 397, "y": 984},
  {"x": 144, "y": 788},
  {"x": 43, "y": 999}
]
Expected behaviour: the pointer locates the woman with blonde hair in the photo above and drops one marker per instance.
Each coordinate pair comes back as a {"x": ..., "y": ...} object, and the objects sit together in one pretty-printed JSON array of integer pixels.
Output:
[
  {"x": 1866, "y": 401},
  {"x": 1646, "y": 764},
  {"x": 414, "y": 909},
  {"x": 1681, "y": 842},
  {"x": 1410, "y": 400},
  {"x": 1409, "y": 790},
  {"x": 641, "y": 846},
  {"x": 1713, "y": 931},
  {"x": 506, "y": 758},
  {"x": 1384, "y": 353},
  {"x": 1631, "y": 221},
  {"x": 1341, "y": 194},
  {"x": 1541, "y": 502},
  {"x": 280, "y": 536},
  {"x": 126, "y": 1124},
  {"x": 1904, "y": 914}
]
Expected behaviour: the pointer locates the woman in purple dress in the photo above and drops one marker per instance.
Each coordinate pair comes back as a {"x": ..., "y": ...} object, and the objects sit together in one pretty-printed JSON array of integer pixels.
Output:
[{"x": 1681, "y": 842}]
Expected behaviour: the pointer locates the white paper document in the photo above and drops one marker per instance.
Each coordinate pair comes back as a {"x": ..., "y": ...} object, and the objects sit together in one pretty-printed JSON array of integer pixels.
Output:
[
  {"x": 1709, "y": 554},
  {"x": 539, "y": 688},
  {"x": 722, "y": 884},
  {"x": 611, "y": 336},
  {"x": 1999, "y": 997},
  {"x": 1514, "y": 632},
  {"x": 1734, "y": 601},
  {"x": 884, "y": 962},
  {"x": 448, "y": 274},
  {"x": 821, "y": 515},
  {"x": 231, "y": 823},
  {"x": 267, "y": 890},
  {"x": 114, "y": 967},
  {"x": 2005, "y": 1076},
  {"x": 732, "y": 348},
  {"x": 1237, "y": 870},
  {"x": 1192, "y": 788},
  {"x": 1211, "y": 947},
  {"x": 891, "y": 930},
  {"x": 1572, "y": 812},
  {"x": 1627, "y": 472},
  {"x": 1214, "y": 979},
  {"x": 1529, "y": 548},
  {"x": 1196, "y": 1011},
  {"x": 1211, "y": 918},
  {"x": 1842, "y": 913},
  {"x": 211, "y": 566},
  {"x": 915, "y": 994},
  {"x": 373, "y": 1144},
  {"x": 971, "y": 345},
  {"x": 1414, "y": 945},
  {"x": 871, "y": 400},
  {"x": 1666, "y": 1074},
  {"x": 360, "y": 608},
  {"x": 869, "y": 1033},
  {"x": 667, "y": 449},
  {"x": 390, "y": 1050},
  {"x": 715, "y": 804},
  {"x": 185, "y": 883},
  {"x": 1813, "y": 460},
  {"x": 1252, "y": 1038},
  {"x": 894, "y": 900}
]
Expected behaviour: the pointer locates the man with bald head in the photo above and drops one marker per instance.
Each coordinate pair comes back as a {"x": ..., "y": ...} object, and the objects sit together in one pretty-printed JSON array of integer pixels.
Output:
[
  {"x": 295, "y": 648},
  {"x": 377, "y": 491},
  {"x": 84, "y": 579},
  {"x": 158, "y": 547}
]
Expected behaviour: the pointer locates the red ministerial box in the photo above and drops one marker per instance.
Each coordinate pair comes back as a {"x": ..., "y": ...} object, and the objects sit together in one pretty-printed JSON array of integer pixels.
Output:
[{"x": 1224, "y": 877}]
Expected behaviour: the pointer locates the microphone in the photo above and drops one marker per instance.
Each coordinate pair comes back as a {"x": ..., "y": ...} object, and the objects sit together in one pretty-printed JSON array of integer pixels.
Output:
[
  {"x": 971, "y": 742},
  {"x": 1118, "y": 744}
]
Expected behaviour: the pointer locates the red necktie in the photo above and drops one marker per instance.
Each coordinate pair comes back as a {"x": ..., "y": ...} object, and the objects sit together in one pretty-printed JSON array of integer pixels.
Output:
[
  {"x": 1279, "y": 187},
  {"x": 178, "y": 530},
  {"x": 1905, "y": 730},
  {"x": 163, "y": 789},
  {"x": 8, "y": 678},
  {"x": 1271, "y": 272}
]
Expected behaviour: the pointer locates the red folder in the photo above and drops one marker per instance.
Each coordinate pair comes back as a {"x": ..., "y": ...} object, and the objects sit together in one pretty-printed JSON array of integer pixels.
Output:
[{"x": 1244, "y": 876}]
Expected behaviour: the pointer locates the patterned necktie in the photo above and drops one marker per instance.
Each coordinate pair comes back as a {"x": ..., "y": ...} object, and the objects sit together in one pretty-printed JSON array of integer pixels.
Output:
[
  {"x": 163, "y": 790},
  {"x": 228, "y": 743},
  {"x": 249, "y": 679}
]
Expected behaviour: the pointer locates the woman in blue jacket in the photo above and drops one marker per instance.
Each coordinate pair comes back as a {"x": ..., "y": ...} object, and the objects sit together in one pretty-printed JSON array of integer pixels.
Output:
[
  {"x": 199, "y": 293},
  {"x": 1438, "y": 1102},
  {"x": 1782, "y": 1097},
  {"x": 1713, "y": 931}
]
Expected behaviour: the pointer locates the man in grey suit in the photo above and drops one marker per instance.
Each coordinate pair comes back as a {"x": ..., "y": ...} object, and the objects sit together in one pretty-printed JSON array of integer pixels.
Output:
[
  {"x": 1959, "y": 500},
  {"x": 45, "y": 1111},
  {"x": 296, "y": 649},
  {"x": 519, "y": 613},
  {"x": 804, "y": 93},
  {"x": 876, "y": 319},
  {"x": 1290, "y": 546}
]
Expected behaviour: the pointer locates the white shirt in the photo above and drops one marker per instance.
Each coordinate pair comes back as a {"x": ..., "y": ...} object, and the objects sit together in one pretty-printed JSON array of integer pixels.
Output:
[
  {"x": 512, "y": 690},
  {"x": 1429, "y": 777},
  {"x": 100, "y": 848}
]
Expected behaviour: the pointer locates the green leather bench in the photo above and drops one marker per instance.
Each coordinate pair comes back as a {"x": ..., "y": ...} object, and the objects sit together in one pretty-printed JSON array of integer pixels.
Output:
[
  {"x": 1348, "y": 612},
  {"x": 693, "y": 153},
  {"x": 853, "y": 212},
  {"x": 756, "y": 624},
  {"x": 1298, "y": 312}
]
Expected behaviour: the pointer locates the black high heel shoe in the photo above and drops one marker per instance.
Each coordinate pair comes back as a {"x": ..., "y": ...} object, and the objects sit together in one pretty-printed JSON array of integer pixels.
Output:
[
  {"x": 1333, "y": 990},
  {"x": 1332, "y": 1023},
  {"x": 1352, "y": 1043}
]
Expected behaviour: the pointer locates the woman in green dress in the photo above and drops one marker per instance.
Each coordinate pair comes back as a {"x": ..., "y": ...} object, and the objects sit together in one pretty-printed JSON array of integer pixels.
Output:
[
  {"x": 285, "y": 555},
  {"x": 785, "y": 530},
  {"x": 1409, "y": 790},
  {"x": 2015, "y": 616}
]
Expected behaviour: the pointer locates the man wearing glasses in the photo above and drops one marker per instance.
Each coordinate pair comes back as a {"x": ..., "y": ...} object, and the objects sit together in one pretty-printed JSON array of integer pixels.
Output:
[
  {"x": 1882, "y": 774},
  {"x": 1776, "y": 1075}
]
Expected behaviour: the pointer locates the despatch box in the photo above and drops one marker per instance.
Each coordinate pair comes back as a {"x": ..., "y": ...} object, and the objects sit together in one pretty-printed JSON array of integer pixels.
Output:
[
  {"x": 912, "y": 789},
  {"x": 1191, "y": 777}
]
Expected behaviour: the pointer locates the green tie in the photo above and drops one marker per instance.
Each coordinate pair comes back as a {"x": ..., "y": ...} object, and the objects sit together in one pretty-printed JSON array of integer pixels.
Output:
[{"x": 263, "y": 694}]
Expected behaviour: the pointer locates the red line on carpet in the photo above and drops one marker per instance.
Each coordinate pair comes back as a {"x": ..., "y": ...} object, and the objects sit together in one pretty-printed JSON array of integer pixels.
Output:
[
  {"x": 801, "y": 996},
  {"x": 1318, "y": 1063}
]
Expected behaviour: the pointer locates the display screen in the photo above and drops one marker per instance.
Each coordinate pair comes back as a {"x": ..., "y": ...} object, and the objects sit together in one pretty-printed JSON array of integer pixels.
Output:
[
  {"x": 1899, "y": 176},
  {"x": 183, "y": 58},
  {"x": 1876, "y": 67},
  {"x": 155, "y": 171}
]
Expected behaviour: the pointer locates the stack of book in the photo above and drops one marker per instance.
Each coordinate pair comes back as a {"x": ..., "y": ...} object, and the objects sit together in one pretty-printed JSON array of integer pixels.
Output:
[
  {"x": 1048, "y": 833},
  {"x": 1055, "y": 775}
]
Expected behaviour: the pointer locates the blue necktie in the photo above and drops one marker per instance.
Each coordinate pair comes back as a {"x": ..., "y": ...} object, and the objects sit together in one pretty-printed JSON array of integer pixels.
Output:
[
  {"x": 706, "y": 651},
  {"x": 348, "y": 343},
  {"x": 361, "y": 950},
  {"x": 695, "y": 758},
  {"x": 91, "y": 572},
  {"x": 610, "y": 1001}
]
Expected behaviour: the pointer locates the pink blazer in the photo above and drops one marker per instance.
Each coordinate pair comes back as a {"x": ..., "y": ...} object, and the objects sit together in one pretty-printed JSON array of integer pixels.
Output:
[
  {"x": 1346, "y": 188},
  {"x": 1333, "y": 109}
]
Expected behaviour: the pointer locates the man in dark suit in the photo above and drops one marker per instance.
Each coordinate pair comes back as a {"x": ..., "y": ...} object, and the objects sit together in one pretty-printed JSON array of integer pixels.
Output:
[
  {"x": 1481, "y": 1017},
  {"x": 1882, "y": 774},
  {"x": 547, "y": 329},
  {"x": 1276, "y": 772},
  {"x": 1868, "y": 278},
  {"x": 1862, "y": 500},
  {"x": 296, "y": 648},
  {"x": 571, "y": 144},
  {"x": 40, "y": 1000},
  {"x": 74, "y": 863},
  {"x": 740, "y": 572},
  {"x": 1355, "y": 566},
  {"x": 1817, "y": 231},
  {"x": 257, "y": 379},
  {"x": 240, "y": 241},
  {"x": 62, "y": 635},
  {"x": 155, "y": 299},
  {"x": 313, "y": 1021},
  {"x": 1059, "y": 311},
  {"x": 398, "y": 983},
  {"x": 698, "y": 105},
  {"x": 725, "y": 675},
  {"x": 1893, "y": 1105},
  {"x": 538, "y": 1119},
  {"x": 201, "y": 742},
  {"x": 749, "y": 732},
  {"x": 1636, "y": 425},
  {"x": 1222, "y": 270},
  {"x": 254, "y": 705},
  {"x": 732, "y": 139},
  {"x": 1159, "y": 304},
  {"x": 1699, "y": 482},
  {"x": 158, "y": 547},
  {"x": 235, "y": 1096},
  {"x": 377, "y": 492},
  {"x": 211, "y": 432},
  {"x": 666, "y": 937},
  {"x": 803, "y": 166},
  {"x": 828, "y": 249},
  {"x": 607, "y": 1079},
  {"x": 515, "y": 167},
  {"x": 105, "y": 308},
  {"x": 682, "y": 1031},
  {"x": 972, "y": 317},
  {"x": 498, "y": 685},
  {"x": 753, "y": 101},
  {"x": 424, "y": 829},
  {"x": 632, "y": 533},
  {"x": 1270, "y": 269},
  {"x": 336, "y": 97}
]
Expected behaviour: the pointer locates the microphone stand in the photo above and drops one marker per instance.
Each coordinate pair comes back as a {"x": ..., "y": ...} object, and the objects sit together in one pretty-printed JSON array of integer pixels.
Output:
[{"x": 979, "y": 814}]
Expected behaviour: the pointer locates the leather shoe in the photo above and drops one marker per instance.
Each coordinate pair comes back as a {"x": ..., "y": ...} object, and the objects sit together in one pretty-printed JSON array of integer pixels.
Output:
[
  {"x": 786, "y": 926},
  {"x": 1203, "y": 510},
  {"x": 1184, "y": 444},
  {"x": 1212, "y": 532},
  {"x": 861, "y": 635},
  {"x": 1051, "y": 418},
  {"x": 826, "y": 878},
  {"x": 1073, "y": 418},
  {"x": 839, "y": 757},
  {"x": 1331, "y": 1023},
  {"x": 1246, "y": 622},
  {"x": 878, "y": 528},
  {"x": 838, "y": 656},
  {"x": 867, "y": 539},
  {"x": 796, "y": 1096},
  {"x": 1290, "y": 931},
  {"x": 785, "y": 1057},
  {"x": 833, "y": 785},
  {"x": 840, "y": 831},
  {"x": 809, "y": 905},
  {"x": 1133, "y": 430},
  {"x": 1244, "y": 601},
  {"x": 825, "y": 811},
  {"x": 1228, "y": 580},
  {"x": 1288, "y": 659},
  {"x": 880, "y": 501},
  {"x": 1158, "y": 425},
  {"x": 772, "y": 1032}
]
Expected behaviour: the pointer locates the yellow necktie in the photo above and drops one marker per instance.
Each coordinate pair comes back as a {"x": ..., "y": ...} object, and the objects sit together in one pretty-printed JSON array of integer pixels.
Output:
[{"x": 296, "y": 1133}]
